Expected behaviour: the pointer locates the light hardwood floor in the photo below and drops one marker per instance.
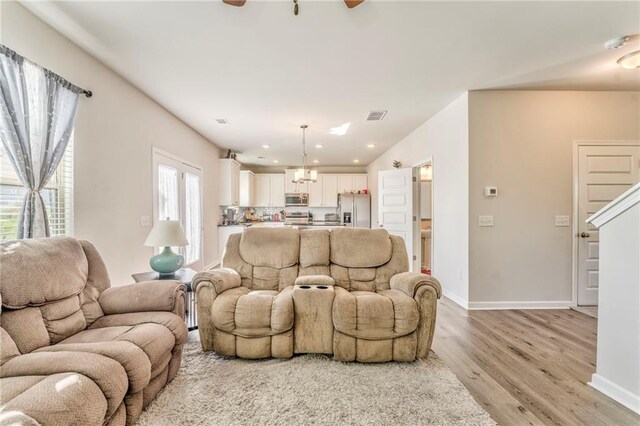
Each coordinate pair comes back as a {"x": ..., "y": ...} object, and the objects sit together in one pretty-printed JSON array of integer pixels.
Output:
[{"x": 527, "y": 366}]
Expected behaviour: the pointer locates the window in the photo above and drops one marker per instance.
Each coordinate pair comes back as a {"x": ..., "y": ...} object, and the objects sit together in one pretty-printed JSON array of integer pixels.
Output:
[
  {"x": 57, "y": 196},
  {"x": 177, "y": 195}
]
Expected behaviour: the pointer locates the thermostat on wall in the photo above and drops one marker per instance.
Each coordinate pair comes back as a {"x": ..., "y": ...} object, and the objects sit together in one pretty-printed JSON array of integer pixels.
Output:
[{"x": 490, "y": 191}]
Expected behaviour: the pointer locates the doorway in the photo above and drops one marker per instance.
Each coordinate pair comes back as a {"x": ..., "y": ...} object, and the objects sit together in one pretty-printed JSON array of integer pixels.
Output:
[
  {"x": 177, "y": 195},
  {"x": 423, "y": 225},
  {"x": 602, "y": 171}
]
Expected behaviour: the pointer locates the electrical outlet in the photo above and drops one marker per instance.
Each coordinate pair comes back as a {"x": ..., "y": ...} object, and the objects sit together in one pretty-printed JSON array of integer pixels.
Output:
[
  {"x": 145, "y": 221},
  {"x": 485, "y": 220},
  {"x": 562, "y": 221}
]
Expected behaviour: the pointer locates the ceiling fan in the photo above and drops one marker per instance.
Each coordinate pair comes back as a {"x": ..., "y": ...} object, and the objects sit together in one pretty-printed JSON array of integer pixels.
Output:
[{"x": 239, "y": 3}]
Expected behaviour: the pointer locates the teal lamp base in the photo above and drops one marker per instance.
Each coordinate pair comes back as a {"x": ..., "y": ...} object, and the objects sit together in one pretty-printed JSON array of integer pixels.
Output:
[{"x": 167, "y": 262}]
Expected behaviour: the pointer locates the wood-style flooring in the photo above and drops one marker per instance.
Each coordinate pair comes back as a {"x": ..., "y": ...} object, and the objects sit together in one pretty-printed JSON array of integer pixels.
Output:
[{"x": 527, "y": 367}]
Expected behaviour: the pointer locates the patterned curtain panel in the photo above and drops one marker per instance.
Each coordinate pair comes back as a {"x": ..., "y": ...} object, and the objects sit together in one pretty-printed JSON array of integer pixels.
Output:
[{"x": 37, "y": 113}]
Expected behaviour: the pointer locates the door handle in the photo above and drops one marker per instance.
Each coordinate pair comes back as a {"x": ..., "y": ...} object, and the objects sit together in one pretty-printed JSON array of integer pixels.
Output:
[{"x": 584, "y": 235}]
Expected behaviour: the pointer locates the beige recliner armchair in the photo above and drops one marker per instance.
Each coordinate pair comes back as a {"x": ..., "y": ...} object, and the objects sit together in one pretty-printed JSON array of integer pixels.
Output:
[
  {"x": 344, "y": 292},
  {"x": 74, "y": 350}
]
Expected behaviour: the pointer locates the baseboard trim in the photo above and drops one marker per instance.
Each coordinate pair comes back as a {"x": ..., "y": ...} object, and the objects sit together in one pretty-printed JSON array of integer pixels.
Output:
[
  {"x": 212, "y": 265},
  {"x": 456, "y": 299},
  {"x": 616, "y": 392},
  {"x": 476, "y": 306}
]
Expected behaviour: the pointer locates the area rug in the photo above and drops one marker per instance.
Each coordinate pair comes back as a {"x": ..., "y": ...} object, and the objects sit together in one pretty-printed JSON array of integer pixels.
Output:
[{"x": 311, "y": 390}]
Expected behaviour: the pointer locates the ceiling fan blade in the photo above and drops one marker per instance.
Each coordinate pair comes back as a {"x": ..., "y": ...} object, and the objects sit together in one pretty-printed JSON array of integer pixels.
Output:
[
  {"x": 237, "y": 3},
  {"x": 352, "y": 3}
]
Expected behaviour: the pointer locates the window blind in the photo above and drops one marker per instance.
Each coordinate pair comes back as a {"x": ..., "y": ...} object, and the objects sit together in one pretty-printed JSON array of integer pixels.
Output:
[{"x": 57, "y": 196}]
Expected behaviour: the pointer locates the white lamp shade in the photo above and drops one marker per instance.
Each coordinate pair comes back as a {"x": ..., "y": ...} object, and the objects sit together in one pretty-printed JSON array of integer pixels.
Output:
[{"x": 166, "y": 233}]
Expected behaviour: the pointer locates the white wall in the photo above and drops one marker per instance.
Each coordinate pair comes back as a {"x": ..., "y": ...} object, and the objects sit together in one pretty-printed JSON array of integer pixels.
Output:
[
  {"x": 521, "y": 142},
  {"x": 618, "y": 358},
  {"x": 114, "y": 135},
  {"x": 444, "y": 138}
]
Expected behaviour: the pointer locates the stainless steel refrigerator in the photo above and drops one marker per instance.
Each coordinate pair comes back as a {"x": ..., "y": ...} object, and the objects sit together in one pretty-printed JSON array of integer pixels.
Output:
[{"x": 355, "y": 210}]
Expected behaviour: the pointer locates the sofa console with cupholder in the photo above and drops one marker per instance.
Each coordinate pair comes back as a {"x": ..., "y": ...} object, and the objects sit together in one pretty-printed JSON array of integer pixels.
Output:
[
  {"x": 344, "y": 292},
  {"x": 313, "y": 322}
]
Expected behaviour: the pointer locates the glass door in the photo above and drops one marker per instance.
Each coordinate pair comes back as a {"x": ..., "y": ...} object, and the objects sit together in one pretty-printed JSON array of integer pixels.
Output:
[{"x": 177, "y": 195}]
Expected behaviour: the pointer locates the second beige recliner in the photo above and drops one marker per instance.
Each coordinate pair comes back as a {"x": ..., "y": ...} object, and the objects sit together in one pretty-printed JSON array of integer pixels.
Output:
[{"x": 378, "y": 311}]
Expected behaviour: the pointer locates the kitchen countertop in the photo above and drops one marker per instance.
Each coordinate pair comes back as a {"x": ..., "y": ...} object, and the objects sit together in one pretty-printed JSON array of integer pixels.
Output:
[{"x": 318, "y": 223}]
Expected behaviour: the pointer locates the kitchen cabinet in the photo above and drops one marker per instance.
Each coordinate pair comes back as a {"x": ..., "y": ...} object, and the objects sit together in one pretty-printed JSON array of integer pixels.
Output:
[
  {"x": 315, "y": 192},
  {"x": 349, "y": 183},
  {"x": 360, "y": 182},
  {"x": 270, "y": 190},
  {"x": 229, "y": 174},
  {"x": 345, "y": 183},
  {"x": 247, "y": 188},
  {"x": 324, "y": 193},
  {"x": 330, "y": 191},
  {"x": 277, "y": 191},
  {"x": 290, "y": 186}
]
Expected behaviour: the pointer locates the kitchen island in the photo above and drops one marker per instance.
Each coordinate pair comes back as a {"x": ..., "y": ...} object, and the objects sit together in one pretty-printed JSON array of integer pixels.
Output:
[{"x": 224, "y": 231}]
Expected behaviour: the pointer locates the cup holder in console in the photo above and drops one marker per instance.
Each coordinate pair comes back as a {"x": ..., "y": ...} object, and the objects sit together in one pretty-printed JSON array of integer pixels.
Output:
[
  {"x": 305, "y": 286},
  {"x": 323, "y": 287}
]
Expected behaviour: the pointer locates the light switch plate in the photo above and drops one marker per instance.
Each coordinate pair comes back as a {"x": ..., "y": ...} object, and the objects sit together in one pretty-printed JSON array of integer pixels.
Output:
[
  {"x": 145, "y": 221},
  {"x": 485, "y": 220},
  {"x": 562, "y": 221}
]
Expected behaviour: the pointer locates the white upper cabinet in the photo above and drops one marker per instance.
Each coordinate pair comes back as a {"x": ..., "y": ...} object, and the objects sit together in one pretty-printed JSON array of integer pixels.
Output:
[
  {"x": 330, "y": 191},
  {"x": 263, "y": 190},
  {"x": 270, "y": 190},
  {"x": 360, "y": 182},
  {"x": 315, "y": 192},
  {"x": 229, "y": 182},
  {"x": 247, "y": 188},
  {"x": 345, "y": 183},
  {"x": 289, "y": 186},
  {"x": 351, "y": 183},
  {"x": 277, "y": 191}
]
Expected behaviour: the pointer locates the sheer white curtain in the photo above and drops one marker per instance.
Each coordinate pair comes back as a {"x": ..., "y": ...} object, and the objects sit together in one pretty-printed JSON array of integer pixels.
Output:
[
  {"x": 168, "y": 201},
  {"x": 37, "y": 113}
]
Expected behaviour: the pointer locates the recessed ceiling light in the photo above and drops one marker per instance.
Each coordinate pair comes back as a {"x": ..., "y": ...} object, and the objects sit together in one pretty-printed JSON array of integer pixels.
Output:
[
  {"x": 630, "y": 61},
  {"x": 356, "y": 161},
  {"x": 340, "y": 130},
  {"x": 265, "y": 146},
  {"x": 275, "y": 161},
  {"x": 319, "y": 146},
  {"x": 316, "y": 161},
  {"x": 222, "y": 121},
  {"x": 371, "y": 146}
]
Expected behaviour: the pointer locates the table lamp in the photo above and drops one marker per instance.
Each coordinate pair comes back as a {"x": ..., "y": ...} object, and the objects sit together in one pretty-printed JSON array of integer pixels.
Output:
[{"x": 167, "y": 234}]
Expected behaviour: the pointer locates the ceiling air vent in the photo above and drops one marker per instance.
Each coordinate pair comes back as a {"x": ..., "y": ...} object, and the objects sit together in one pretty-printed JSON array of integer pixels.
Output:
[
  {"x": 376, "y": 115},
  {"x": 222, "y": 121}
]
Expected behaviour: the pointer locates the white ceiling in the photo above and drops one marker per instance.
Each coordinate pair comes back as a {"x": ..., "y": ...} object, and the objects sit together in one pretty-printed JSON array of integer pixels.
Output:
[{"x": 267, "y": 71}]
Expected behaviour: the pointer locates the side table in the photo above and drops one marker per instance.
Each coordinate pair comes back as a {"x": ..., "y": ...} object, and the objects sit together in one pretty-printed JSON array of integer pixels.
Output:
[{"x": 183, "y": 276}]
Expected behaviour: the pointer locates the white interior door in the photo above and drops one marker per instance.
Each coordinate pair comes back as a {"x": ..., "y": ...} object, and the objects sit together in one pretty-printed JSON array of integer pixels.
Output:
[
  {"x": 177, "y": 195},
  {"x": 395, "y": 205},
  {"x": 604, "y": 172}
]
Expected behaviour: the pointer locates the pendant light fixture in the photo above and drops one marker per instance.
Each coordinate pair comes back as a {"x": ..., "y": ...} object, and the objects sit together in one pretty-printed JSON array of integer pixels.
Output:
[{"x": 303, "y": 174}]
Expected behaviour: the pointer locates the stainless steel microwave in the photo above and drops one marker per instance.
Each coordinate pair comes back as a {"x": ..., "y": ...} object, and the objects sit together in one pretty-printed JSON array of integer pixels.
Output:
[{"x": 296, "y": 199}]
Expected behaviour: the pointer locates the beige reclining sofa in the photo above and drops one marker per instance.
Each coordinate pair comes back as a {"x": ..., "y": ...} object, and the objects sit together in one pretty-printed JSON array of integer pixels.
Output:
[
  {"x": 75, "y": 351},
  {"x": 344, "y": 292}
]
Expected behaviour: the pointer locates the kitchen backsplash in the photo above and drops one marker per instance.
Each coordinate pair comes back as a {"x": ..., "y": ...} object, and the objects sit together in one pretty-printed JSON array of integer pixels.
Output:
[{"x": 318, "y": 212}]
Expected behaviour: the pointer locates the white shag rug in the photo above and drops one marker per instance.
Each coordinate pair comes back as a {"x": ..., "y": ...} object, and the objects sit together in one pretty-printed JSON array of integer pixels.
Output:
[{"x": 311, "y": 390}]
